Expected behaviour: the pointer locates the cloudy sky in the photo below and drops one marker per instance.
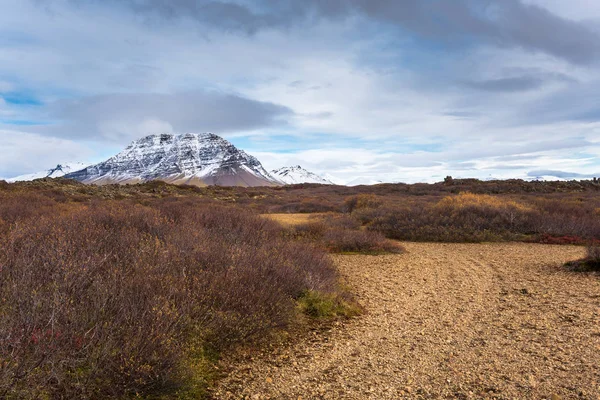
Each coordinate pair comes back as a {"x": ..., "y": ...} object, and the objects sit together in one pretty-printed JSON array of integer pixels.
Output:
[{"x": 391, "y": 90}]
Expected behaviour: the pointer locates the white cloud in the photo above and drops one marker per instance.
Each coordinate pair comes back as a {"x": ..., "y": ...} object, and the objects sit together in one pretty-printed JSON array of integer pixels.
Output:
[
  {"x": 27, "y": 152},
  {"x": 5, "y": 86},
  {"x": 482, "y": 158},
  {"x": 387, "y": 106},
  {"x": 573, "y": 9},
  {"x": 4, "y": 111}
]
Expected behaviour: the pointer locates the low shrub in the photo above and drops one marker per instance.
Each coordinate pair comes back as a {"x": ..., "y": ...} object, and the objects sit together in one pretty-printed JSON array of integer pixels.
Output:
[
  {"x": 342, "y": 234},
  {"x": 326, "y": 305},
  {"x": 309, "y": 205},
  {"x": 588, "y": 264},
  {"x": 462, "y": 218},
  {"x": 23, "y": 206},
  {"x": 361, "y": 201},
  {"x": 358, "y": 241},
  {"x": 339, "y": 221},
  {"x": 593, "y": 257},
  {"x": 113, "y": 299},
  {"x": 562, "y": 240},
  {"x": 593, "y": 253},
  {"x": 314, "y": 230}
]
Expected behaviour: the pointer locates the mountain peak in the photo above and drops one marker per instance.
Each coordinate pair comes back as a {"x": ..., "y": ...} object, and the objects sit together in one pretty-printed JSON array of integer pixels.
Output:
[{"x": 190, "y": 158}]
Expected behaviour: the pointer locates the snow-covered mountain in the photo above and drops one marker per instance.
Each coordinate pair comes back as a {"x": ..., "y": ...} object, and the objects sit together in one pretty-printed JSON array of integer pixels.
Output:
[
  {"x": 56, "y": 172},
  {"x": 333, "y": 179},
  {"x": 297, "y": 174},
  {"x": 363, "y": 180},
  {"x": 198, "y": 159}
]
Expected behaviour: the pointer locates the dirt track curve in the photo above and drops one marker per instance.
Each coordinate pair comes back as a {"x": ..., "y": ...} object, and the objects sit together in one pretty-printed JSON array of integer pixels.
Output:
[{"x": 465, "y": 321}]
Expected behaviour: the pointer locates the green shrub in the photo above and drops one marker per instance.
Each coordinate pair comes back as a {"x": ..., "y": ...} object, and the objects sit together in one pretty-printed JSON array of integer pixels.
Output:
[{"x": 321, "y": 305}]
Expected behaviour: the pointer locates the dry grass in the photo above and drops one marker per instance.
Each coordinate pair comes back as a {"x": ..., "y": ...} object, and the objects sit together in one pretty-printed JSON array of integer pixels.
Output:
[
  {"x": 293, "y": 219},
  {"x": 469, "y": 200}
]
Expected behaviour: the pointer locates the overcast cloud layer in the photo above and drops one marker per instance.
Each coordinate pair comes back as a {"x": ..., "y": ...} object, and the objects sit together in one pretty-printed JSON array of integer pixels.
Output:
[{"x": 364, "y": 90}]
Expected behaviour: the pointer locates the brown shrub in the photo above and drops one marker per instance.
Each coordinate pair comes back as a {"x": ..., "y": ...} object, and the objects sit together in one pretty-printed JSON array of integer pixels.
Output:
[
  {"x": 567, "y": 217},
  {"x": 593, "y": 253},
  {"x": 591, "y": 263},
  {"x": 341, "y": 233},
  {"x": 23, "y": 206},
  {"x": 308, "y": 205},
  {"x": 462, "y": 218},
  {"x": 115, "y": 299},
  {"x": 312, "y": 230},
  {"x": 349, "y": 241},
  {"x": 593, "y": 257},
  {"x": 339, "y": 221},
  {"x": 361, "y": 201}
]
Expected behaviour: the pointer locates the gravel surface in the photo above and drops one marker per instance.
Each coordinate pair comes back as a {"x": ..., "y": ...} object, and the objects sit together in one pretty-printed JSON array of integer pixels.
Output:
[{"x": 465, "y": 321}]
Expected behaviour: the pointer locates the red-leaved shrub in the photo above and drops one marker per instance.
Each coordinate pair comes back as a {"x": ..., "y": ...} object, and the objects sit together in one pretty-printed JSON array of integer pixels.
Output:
[{"x": 114, "y": 299}]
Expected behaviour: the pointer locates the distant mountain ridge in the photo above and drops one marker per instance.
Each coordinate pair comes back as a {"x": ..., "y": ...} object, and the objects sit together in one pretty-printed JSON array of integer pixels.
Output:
[
  {"x": 297, "y": 174},
  {"x": 198, "y": 159},
  {"x": 56, "y": 172}
]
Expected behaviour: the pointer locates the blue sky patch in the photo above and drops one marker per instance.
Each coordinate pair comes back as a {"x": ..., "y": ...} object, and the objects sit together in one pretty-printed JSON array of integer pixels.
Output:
[{"x": 21, "y": 99}]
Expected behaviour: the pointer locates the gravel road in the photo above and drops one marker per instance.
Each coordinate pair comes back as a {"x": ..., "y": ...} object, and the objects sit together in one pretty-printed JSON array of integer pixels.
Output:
[{"x": 464, "y": 321}]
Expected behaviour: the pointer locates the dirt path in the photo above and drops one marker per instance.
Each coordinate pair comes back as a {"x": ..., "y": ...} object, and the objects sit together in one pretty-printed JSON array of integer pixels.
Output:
[{"x": 443, "y": 321}]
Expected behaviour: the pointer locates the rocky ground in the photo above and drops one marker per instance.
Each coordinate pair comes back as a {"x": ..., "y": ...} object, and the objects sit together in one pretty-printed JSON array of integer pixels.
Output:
[{"x": 465, "y": 321}]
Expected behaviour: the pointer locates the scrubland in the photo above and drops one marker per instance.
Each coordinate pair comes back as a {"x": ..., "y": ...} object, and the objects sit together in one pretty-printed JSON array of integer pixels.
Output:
[
  {"x": 114, "y": 298},
  {"x": 138, "y": 290}
]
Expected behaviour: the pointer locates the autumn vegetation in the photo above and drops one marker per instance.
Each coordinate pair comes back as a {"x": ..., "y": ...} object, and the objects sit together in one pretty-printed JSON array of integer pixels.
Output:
[
  {"x": 114, "y": 298},
  {"x": 590, "y": 263},
  {"x": 468, "y": 217},
  {"x": 340, "y": 233},
  {"x": 133, "y": 291}
]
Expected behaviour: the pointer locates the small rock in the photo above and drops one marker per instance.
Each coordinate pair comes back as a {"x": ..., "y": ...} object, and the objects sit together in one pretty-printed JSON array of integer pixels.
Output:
[{"x": 555, "y": 397}]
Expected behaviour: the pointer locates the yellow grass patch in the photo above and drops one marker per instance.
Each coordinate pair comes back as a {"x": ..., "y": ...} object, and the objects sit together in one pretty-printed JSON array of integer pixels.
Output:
[
  {"x": 293, "y": 219},
  {"x": 480, "y": 200}
]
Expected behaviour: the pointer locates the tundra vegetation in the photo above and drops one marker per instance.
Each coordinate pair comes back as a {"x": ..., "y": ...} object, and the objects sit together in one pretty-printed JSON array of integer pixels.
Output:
[
  {"x": 113, "y": 298},
  {"x": 133, "y": 291}
]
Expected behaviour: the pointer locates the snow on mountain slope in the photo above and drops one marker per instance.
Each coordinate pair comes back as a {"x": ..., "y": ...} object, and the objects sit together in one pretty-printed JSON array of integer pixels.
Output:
[
  {"x": 333, "y": 179},
  {"x": 363, "y": 180},
  {"x": 56, "y": 172},
  {"x": 297, "y": 174},
  {"x": 198, "y": 159}
]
